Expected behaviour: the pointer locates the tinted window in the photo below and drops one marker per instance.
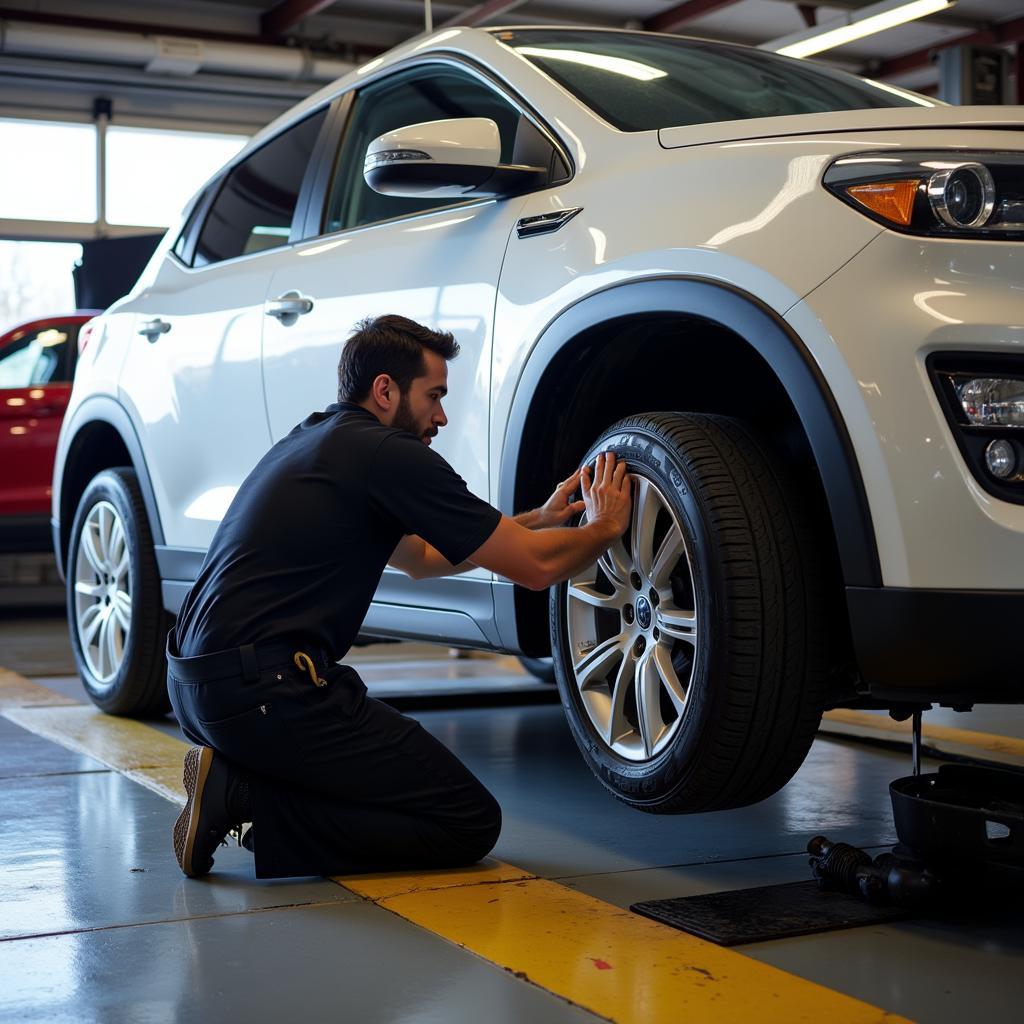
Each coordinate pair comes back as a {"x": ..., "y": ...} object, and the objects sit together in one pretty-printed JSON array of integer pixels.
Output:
[
  {"x": 253, "y": 210},
  {"x": 38, "y": 357},
  {"x": 181, "y": 246},
  {"x": 639, "y": 83},
  {"x": 426, "y": 94}
]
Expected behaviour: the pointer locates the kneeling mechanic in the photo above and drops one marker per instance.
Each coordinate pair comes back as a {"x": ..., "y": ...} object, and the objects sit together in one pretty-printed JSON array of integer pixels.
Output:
[{"x": 333, "y": 781}]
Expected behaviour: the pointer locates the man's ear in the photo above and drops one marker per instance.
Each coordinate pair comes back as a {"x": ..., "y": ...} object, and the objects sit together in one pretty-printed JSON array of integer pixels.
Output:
[{"x": 383, "y": 391}]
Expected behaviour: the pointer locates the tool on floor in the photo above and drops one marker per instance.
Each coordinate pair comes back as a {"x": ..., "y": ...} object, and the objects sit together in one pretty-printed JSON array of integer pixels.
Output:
[{"x": 961, "y": 845}]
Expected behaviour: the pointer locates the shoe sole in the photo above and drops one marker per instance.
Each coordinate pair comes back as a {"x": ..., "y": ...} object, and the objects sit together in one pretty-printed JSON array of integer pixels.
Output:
[{"x": 197, "y": 768}]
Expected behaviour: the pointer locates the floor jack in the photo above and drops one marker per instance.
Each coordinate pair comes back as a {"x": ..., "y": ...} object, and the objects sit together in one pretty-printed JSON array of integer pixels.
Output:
[{"x": 961, "y": 842}]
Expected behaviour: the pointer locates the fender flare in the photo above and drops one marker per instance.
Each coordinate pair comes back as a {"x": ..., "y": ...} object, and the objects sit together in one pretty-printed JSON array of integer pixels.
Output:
[
  {"x": 104, "y": 409},
  {"x": 777, "y": 343}
]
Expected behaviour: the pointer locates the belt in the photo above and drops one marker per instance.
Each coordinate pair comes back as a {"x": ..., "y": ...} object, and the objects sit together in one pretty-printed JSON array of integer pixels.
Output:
[{"x": 247, "y": 661}]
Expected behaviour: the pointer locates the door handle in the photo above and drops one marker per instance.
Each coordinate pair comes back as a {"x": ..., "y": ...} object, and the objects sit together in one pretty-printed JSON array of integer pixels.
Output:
[
  {"x": 152, "y": 329},
  {"x": 289, "y": 307}
]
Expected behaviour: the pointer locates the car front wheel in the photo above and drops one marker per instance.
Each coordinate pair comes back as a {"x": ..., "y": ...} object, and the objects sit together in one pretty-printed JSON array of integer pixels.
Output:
[
  {"x": 115, "y": 612},
  {"x": 690, "y": 656}
]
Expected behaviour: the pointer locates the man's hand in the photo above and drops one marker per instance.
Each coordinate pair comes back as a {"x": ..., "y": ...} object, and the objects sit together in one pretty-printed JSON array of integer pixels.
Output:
[
  {"x": 607, "y": 499},
  {"x": 560, "y": 507}
]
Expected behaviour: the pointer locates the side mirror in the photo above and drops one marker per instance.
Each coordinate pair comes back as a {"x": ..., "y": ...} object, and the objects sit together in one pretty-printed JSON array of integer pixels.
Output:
[{"x": 457, "y": 158}]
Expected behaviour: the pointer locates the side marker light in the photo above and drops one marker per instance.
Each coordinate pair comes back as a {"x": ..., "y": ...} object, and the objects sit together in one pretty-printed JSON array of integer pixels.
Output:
[{"x": 893, "y": 200}]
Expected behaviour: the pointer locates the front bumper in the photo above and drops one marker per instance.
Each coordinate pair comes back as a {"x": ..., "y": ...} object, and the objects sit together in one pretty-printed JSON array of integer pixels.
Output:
[
  {"x": 871, "y": 328},
  {"x": 949, "y": 646}
]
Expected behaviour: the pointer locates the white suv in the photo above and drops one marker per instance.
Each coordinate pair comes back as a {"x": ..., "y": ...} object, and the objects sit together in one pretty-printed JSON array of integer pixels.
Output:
[{"x": 791, "y": 299}]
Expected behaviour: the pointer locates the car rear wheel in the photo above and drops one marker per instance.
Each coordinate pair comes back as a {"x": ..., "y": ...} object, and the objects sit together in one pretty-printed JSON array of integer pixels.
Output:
[
  {"x": 116, "y": 616},
  {"x": 690, "y": 656}
]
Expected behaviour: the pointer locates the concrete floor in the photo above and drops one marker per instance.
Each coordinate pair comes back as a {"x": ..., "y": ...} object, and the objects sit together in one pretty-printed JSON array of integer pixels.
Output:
[{"x": 97, "y": 924}]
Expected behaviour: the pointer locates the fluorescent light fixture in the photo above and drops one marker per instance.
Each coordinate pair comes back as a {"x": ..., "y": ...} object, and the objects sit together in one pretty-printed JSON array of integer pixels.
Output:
[
  {"x": 617, "y": 65},
  {"x": 855, "y": 25}
]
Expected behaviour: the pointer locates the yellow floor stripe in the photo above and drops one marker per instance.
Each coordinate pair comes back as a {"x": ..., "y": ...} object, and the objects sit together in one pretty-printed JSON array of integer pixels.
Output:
[
  {"x": 619, "y": 966},
  {"x": 946, "y": 739},
  {"x": 17, "y": 691}
]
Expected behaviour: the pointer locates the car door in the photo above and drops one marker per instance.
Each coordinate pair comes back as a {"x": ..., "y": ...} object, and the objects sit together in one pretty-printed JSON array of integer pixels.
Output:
[
  {"x": 434, "y": 261},
  {"x": 192, "y": 378},
  {"x": 36, "y": 362}
]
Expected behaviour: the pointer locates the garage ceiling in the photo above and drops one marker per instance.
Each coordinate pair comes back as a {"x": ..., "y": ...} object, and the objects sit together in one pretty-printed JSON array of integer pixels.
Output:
[{"x": 238, "y": 63}]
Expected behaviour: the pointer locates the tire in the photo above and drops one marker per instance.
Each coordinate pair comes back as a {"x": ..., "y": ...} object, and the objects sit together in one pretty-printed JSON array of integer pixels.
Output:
[
  {"x": 541, "y": 668},
  {"x": 691, "y": 658},
  {"x": 115, "y": 611}
]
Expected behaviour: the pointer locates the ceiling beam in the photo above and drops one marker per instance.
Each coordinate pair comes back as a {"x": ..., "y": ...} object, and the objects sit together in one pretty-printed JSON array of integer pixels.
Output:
[
  {"x": 691, "y": 10},
  {"x": 1007, "y": 32},
  {"x": 288, "y": 14},
  {"x": 482, "y": 12},
  {"x": 140, "y": 27}
]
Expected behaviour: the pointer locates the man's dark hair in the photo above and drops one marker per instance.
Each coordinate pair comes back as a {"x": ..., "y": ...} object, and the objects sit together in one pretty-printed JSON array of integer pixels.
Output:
[{"x": 388, "y": 344}]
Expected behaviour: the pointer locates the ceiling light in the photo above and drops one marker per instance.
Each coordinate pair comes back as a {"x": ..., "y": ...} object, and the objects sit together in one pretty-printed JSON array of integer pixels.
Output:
[{"x": 855, "y": 25}]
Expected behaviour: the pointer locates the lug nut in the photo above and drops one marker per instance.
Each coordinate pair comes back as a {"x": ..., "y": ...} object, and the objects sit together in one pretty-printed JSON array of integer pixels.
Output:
[
  {"x": 634, "y": 578},
  {"x": 627, "y": 614},
  {"x": 657, "y": 633},
  {"x": 639, "y": 645},
  {"x": 654, "y": 598}
]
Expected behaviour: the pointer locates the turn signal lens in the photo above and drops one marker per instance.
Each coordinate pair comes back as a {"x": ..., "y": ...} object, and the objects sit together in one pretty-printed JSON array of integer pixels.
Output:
[{"x": 893, "y": 200}]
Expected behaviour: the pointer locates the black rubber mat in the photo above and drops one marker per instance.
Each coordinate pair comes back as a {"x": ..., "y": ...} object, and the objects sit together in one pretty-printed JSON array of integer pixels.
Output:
[{"x": 770, "y": 912}]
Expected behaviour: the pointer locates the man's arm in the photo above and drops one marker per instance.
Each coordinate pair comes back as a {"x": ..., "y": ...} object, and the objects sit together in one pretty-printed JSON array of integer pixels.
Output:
[
  {"x": 420, "y": 560},
  {"x": 537, "y": 559}
]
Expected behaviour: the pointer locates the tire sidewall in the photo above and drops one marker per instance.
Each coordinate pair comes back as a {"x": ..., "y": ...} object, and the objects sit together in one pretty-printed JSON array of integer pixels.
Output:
[{"x": 653, "y": 782}]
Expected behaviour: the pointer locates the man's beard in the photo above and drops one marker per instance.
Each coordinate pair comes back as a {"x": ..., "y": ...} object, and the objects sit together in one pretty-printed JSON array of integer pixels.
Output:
[{"x": 404, "y": 419}]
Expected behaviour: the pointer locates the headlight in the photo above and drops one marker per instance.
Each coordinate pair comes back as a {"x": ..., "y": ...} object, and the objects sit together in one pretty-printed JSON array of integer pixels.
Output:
[
  {"x": 975, "y": 195},
  {"x": 992, "y": 401}
]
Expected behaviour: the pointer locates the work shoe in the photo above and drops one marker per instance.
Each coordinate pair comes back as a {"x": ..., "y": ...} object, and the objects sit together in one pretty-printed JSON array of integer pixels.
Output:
[{"x": 212, "y": 793}]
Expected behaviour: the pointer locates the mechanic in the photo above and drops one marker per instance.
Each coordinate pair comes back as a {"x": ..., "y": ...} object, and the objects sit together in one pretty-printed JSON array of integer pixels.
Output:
[{"x": 331, "y": 780}]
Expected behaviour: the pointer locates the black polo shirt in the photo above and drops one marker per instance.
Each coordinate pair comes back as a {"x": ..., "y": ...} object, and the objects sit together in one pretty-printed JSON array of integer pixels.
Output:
[{"x": 302, "y": 547}]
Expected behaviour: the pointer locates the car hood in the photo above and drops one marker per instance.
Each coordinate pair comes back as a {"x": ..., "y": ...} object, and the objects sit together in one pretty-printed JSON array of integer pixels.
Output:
[{"x": 887, "y": 118}]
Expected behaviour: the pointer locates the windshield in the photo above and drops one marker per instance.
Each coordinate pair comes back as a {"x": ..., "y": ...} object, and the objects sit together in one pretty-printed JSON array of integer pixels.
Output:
[{"x": 640, "y": 82}]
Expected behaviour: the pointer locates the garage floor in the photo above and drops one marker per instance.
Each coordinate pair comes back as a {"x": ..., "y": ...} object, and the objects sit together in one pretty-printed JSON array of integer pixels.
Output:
[{"x": 97, "y": 923}]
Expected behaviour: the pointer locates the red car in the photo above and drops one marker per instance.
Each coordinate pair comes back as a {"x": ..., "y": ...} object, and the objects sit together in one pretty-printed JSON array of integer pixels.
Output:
[{"x": 37, "y": 364}]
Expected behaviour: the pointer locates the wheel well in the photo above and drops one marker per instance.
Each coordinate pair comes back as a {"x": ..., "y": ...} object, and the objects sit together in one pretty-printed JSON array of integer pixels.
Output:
[
  {"x": 96, "y": 447},
  {"x": 657, "y": 362}
]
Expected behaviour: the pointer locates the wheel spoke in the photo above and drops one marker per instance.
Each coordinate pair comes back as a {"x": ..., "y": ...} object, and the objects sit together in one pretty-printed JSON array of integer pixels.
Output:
[
  {"x": 618, "y": 726},
  {"x": 123, "y": 609},
  {"x": 596, "y": 663},
  {"x": 115, "y": 643},
  {"x": 661, "y": 659},
  {"x": 117, "y": 544},
  {"x": 646, "y": 505},
  {"x": 105, "y": 523},
  {"x": 669, "y": 553},
  {"x": 92, "y": 619},
  {"x": 122, "y": 566},
  {"x": 88, "y": 589},
  {"x": 588, "y": 594},
  {"x": 648, "y": 704},
  {"x": 678, "y": 624},
  {"x": 615, "y": 564},
  {"x": 92, "y": 556},
  {"x": 102, "y": 644}
]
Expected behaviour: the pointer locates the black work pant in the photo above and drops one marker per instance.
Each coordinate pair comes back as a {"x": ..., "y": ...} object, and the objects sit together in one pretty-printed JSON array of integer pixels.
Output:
[{"x": 340, "y": 782}]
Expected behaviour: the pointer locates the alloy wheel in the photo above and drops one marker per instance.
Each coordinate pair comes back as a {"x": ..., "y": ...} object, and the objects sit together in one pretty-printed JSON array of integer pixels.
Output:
[
  {"x": 103, "y": 591},
  {"x": 633, "y": 630}
]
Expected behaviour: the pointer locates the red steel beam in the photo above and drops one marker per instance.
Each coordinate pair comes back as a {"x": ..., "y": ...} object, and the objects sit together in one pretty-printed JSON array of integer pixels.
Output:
[
  {"x": 288, "y": 14},
  {"x": 670, "y": 20},
  {"x": 1007, "y": 32},
  {"x": 482, "y": 12}
]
